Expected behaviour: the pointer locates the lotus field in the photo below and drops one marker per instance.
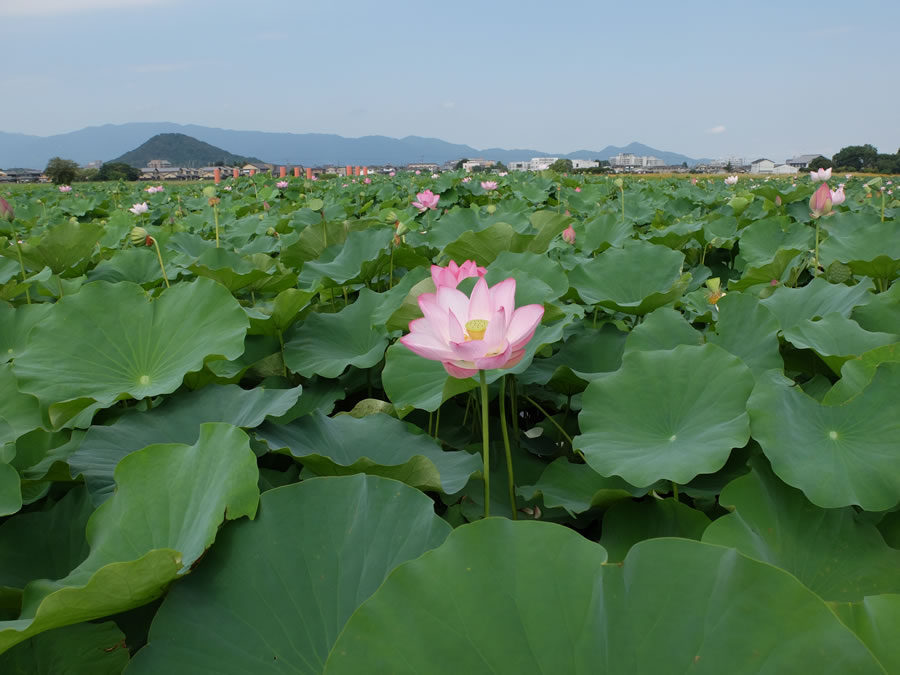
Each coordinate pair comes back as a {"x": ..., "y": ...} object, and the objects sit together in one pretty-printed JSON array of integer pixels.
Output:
[{"x": 524, "y": 423}]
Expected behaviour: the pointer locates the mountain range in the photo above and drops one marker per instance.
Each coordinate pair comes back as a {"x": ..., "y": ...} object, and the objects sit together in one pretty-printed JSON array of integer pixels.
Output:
[{"x": 113, "y": 140}]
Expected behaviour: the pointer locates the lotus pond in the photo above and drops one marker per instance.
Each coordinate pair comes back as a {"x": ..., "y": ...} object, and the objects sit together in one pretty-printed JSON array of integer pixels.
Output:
[{"x": 217, "y": 456}]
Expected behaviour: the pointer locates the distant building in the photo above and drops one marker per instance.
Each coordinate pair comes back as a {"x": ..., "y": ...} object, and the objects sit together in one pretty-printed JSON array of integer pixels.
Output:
[
  {"x": 535, "y": 164},
  {"x": 801, "y": 161},
  {"x": 159, "y": 164},
  {"x": 785, "y": 168},
  {"x": 628, "y": 160},
  {"x": 479, "y": 163},
  {"x": 424, "y": 166},
  {"x": 96, "y": 164},
  {"x": 762, "y": 166},
  {"x": 735, "y": 162},
  {"x": 584, "y": 164}
]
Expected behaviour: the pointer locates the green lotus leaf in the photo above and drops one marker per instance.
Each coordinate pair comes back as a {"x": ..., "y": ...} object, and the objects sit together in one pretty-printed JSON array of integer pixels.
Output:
[
  {"x": 783, "y": 268},
  {"x": 871, "y": 250},
  {"x": 532, "y": 597},
  {"x": 270, "y": 599},
  {"x": 832, "y": 551},
  {"x": 836, "y": 338},
  {"x": 484, "y": 246},
  {"x": 837, "y": 454},
  {"x": 538, "y": 279},
  {"x": 19, "y": 413},
  {"x": 227, "y": 268},
  {"x": 139, "y": 542},
  {"x": 673, "y": 236},
  {"x": 666, "y": 415},
  {"x": 578, "y": 488},
  {"x": 135, "y": 265},
  {"x": 749, "y": 330},
  {"x": 10, "y": 487},
  {"x": 763, "y": 239},
  {"x": 663, "y": 328},
  {"x": 15, "y": 326},
  {"x": 64, "y": 246},
  {"x": 343, "y": 262},
  {"x": 95, "y": 648},
  {"x": 605, "y": 230},
  {"x": 876, "y": 620},
  {"x": 408, "y": 379},
  {"x": 815, "y": 300},
  {"x": 856, "y": 374},
  {"x": 178, "y": 420},
  {"x": 588, "y": 353},
  {"x": 881, "y": 314},
  {"x": 138, "y": 349},
  {"x": 325, "y": 344},
  {"x": 377, "y": 445},
  {"x": 629, "y": 522},
  {"x": 636, "y": 279}
]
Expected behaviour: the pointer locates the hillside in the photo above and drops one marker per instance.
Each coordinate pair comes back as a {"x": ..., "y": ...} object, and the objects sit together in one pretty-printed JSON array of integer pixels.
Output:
[
  {"x": 181, "y": 150},
  {"x": 111, "y": 140}
]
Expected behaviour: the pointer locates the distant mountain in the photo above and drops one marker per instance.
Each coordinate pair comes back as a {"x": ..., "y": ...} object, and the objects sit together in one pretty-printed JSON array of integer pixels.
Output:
[
  {"x": 181, "y": 150},
  {"x": 113, "y": 140}
]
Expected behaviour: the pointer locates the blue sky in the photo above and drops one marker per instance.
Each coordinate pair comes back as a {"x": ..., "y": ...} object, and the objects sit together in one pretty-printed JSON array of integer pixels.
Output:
[{"x": 711, "y": 79}]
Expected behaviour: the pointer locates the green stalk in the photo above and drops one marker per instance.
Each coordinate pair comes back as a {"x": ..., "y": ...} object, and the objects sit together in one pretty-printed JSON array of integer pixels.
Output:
[
  {"x": 552, "y": 421},
  {"x": 509, "y": 466},
  {"x": 674, "y": 490},
  {"x": 485, "y": 444},
  {"x": 161, "y": 265},
  {"x": 622, "y": 195},
  {"x": 216, "y": 218},
  {"x": 816, "y": 271},
  {"x": 21, "y": 265}
]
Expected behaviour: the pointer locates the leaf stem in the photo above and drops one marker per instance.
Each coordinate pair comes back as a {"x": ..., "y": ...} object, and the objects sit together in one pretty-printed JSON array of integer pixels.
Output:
[
  {"x": 509, "y": 465},
  {"x": 159, "y": 257},
  {"x": 552, "y": 421},
  {"x": 485, "y": 446},
  {"x": 21, "y": 265}
]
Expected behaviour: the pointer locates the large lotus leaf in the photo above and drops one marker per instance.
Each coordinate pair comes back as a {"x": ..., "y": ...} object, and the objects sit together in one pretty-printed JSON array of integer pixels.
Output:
[
  {"x": 782, "y": 269},
  {"x": 815, "y": 300},
  {"x": 137, "y": 265},
  {"x": 749, "y": 330},
  {"x": 761, "y": 240},
  {"x": 549, "y": 226},
  {"x": 674, "y": 236},
  {"x": 881, "y": 314},
  {"x": 378, "y": 445},
  {"x": 663, "y": 328},
  {"x": 636, "y": 279},
  {"x": 63, "y": 246},
  {"x": 19, "y": 413},
  {"x": 179, "y": 420},
  {"x": 141, "y": 542},
  {"x": 871, "y": 250},
  {"x": 508, "y": 597},
  {"x": 483, "y": 247},
  {"x": 343, "y": 262},
  {"x": 10, "y": 486},
  {"x": 538, "y": 279},
  {"x": 629, "y": 522},
  {"x": 119, "y": 343},
  {"x": 273, "y": 599},
  {"x": 325, "y": 344},
  {"x": 876, "y": 620},
  {"x": 227, "y": 268},
  {"x": 587, "y": 354},
  {"x": 15, "y": 326},
  {"x": 82, "y": 649},
  {"x": 408, "y": 379},
  {"x": 666, "y": 415},
  {"x": 836, "y": 338},
  {"x": 578, "y": 488},
  {"x": 605, "y": 230},
  {"x": 837, "y": 454},
  {"x": 856, "y": 374},
  {"x": 832, "y": 551}
]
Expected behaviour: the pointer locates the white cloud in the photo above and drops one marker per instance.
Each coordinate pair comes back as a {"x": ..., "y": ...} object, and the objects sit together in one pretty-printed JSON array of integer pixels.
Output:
[
  {"x": 720, "y": 129},
  {"x": 54, "y": 7}
]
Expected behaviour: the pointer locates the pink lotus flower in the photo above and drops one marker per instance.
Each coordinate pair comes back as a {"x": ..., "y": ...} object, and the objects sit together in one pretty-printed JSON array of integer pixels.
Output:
[
  {"x": 777, "y": 200},
  {"x": 418, "y": 172},
  {"x": 467, "y": 179},
  {"x": 314, "y": 178},
  {"x": 821, "y": 174},
  {"x": 138, "y": 209},
  {"x": 489, "y": 185},
  {"x": 227, "y": 188},
  {"x": 6, "y": 211},
  {"x": 568, "y": 235},
  {"x": 483, "y": 332},
  {"x": 731, "y": 180},
  {"x": 838, "y": 196},
  {"x": 392, "y": 174},
  {"x": 435, "y": 175},
  {"x": 367, "y": 180},
  {"x": 426, "y": 200},
  {"x": 820, "y": 202},
  {"x": 693, "y": 181},
  {"x": 282, "y": 184},
  {"x": 578, "y": 189},
  {"x": 502, "y": 173},
  {"x": 65, "y": 188},
  {"x": 452, "y": 274}
]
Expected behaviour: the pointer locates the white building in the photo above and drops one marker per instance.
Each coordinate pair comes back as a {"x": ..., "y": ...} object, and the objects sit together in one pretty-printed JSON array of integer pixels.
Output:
[
  {"x": 785, "y": 168},
  {"x": 630, "y": 160},
  {"x": 762, "y": 166},
  {"x": 801, "y": 161},
  {"x": 536, "y": 164},
  {"x": 735, "y": 162},
  {"x": 479, "y": 163},
  {"x": 584, "y": 164}
]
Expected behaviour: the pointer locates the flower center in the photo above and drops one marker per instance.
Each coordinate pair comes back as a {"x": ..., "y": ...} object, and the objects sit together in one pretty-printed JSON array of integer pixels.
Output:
[{"x": 475, "y": 329}]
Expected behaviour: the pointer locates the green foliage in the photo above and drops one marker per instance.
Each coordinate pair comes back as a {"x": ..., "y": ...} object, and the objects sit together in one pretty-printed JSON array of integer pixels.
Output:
[
  {"x": 820, "y": 163},
  {"x": 561, "y": 165},
  {"x": 117, "y": 171},
  {"x": 855, "y": 157},
  {"x": 180, "y": 150},
  {"x": 62, "y": 171}
]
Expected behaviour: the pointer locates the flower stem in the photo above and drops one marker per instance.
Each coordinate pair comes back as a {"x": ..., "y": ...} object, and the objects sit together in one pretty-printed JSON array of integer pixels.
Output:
[
  {"x": 21, "y": 265},
  {"x": 161, "y": 265},
  {"x": 547, "y": 415},
  {"x": 816, "y": 270},
  {"x": 216, "y": 218},
  {"x": 485, "y": 444},
  {"x": 674, "y": 490},
  {"x": 509, "y": 466}
]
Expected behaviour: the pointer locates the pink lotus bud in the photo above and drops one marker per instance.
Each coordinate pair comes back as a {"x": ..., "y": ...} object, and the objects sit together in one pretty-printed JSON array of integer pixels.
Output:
[
  {"x": 731, "y": 180},
  {"x": 367, "y": 180},
  {"x": 577, "y": 189},
  {"x": 837, "y": 196},
  {"x": 821, "y": 174},
  {"x": 820, "y": 202},
  {"x": 418, "y": 173},
  {"x": 65, "y": 188},
  {"x": 777, "y": 200},
  {"x": 489, "y": 185},
  {"x": 453, "y": 274},
  {"x": 6, "y": 210},
  {"x": 266, "y": 206},
  {"x": 282, "y": 184},
  {"x": 693, "y": 180},
  {"x": 569, "y": 235}
]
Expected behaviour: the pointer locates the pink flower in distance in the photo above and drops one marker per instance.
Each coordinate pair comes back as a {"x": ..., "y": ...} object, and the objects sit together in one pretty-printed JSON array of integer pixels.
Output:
[
  {"x": 821, "y": 174},
  {"x": 820, "y": 202},
  {"x": 418, "y": 172},
  {"x": 367, "y": 180},
  {"x": 150, "y": 190},
  {"x": 693, "y": 180},
  {"x": 578, "y": 189},
  {"x": 838, "y": 196},
  {"x": 426, "y": 200},
  {"x": 392, "y": 174},
  {"x": 227, "y": 188},
  {"x": 65, "y": 188},
  {"x": 568, "y": 235},
  {"x": 453, "y": 273},
  {"x": 502, "y": 173},
  {"x": 465, "y": 334},
  {"x": 731, "y": 180},
  {"x": 467, "y": 179},
  {"x": 488, "y": 185},
  {"x": 282, "y": 184},
  {"x": 138, "y": 209}
]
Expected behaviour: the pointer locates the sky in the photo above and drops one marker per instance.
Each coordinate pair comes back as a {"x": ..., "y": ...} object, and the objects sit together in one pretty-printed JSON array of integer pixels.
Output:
[{"x": 706, "y": 79}]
